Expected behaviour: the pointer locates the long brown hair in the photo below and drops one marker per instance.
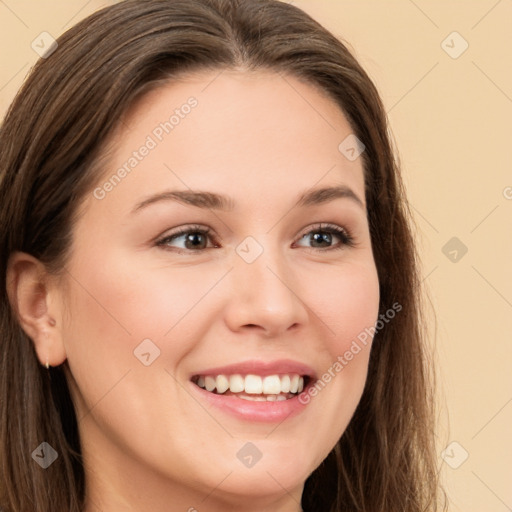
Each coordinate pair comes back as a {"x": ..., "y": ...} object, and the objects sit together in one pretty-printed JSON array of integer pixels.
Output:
[{"x": 51, "y": 144}]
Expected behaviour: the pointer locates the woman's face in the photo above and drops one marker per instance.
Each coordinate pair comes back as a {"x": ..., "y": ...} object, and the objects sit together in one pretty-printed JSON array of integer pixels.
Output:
[{"x": 227, "y": 243}]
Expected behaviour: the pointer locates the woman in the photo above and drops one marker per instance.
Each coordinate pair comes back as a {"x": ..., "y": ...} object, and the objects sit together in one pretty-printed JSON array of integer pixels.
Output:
[{"x": 210, "y": 297}]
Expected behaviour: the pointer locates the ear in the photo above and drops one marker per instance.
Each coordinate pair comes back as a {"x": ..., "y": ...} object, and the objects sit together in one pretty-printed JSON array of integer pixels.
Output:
[{"x": 34, "y": 296}]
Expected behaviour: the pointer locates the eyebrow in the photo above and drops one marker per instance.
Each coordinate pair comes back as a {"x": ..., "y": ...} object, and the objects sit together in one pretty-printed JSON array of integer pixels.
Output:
[
  {"x": 208, "y": 200},
  {"x": 323, "y": 195},
  {"x": 213, "y": 201}
]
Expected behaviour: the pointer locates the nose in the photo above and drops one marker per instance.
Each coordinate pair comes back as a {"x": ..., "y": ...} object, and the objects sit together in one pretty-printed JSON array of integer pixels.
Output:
[{"x": 265, "y": 297}]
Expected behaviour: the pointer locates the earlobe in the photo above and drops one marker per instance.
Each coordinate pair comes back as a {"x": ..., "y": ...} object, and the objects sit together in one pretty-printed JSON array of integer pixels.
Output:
[{"x": 32, "y": 293}]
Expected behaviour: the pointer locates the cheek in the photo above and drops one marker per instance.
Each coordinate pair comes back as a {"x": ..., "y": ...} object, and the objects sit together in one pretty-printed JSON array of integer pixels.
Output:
[
  {"x": 112, "y": 308},
  {"x": 126, "y": 299},
  {"x": 347, "y": 302},
  {"x": 348, "y": 307}
]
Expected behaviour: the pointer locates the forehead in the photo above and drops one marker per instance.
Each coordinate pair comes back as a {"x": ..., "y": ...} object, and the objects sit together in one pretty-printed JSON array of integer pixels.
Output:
[{"x": 252, "y": 135}]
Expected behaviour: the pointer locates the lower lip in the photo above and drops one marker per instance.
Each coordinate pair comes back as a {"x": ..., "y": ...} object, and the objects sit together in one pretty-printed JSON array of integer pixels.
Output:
[{"x": 269, "y": 412}]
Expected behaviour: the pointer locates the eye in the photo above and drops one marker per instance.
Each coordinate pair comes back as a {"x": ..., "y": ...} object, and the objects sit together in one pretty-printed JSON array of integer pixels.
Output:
[
  {"x": 326, "y": 236},
  {"x": 192, "y": 238}
]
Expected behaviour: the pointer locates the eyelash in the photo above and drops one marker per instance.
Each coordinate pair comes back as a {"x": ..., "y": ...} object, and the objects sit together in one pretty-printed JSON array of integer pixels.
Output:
[
  {"x": 186, "y": 230},
  {"x": 342, "y": 233}
]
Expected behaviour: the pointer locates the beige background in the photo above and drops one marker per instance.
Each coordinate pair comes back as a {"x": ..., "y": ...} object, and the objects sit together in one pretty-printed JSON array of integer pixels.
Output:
[{"x": 451, "y": 118}]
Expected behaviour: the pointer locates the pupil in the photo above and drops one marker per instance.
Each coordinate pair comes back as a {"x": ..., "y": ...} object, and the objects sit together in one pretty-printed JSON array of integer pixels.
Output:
[
  {"x": 195, "y": 240},
  {"x": 322, "y": 238}
]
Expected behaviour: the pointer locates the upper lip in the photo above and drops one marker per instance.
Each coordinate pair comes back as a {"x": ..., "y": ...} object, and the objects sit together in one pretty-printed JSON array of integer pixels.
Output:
[{"x": 262, "y": 368}]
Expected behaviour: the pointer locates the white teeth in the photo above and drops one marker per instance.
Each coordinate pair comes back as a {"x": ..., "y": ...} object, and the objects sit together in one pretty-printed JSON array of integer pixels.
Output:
[
  {"x": 285, "y": 384},
  {"x": 209, "y": 383},
  {"x": 254, "y": 398},
  {"x": 272, "y": 385},
  {"x": 262, "y": 398},
  {"x": 294, "y": 383},
  {"x": 222, "y": 383},
  {"x": 236, "y": 383},
  {"x": 253, "y": 384}
]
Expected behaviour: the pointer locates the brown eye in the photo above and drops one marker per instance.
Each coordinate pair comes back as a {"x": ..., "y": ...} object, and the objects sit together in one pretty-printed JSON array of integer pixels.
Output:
[
  {"x": 187, "y": 239},
  {"x": 320, "y": 239},
  {"x": 195, "y": 241}
]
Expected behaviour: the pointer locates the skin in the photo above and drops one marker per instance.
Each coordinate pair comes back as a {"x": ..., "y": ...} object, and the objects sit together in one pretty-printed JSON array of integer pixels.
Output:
[{"x": 263, "y": 140}]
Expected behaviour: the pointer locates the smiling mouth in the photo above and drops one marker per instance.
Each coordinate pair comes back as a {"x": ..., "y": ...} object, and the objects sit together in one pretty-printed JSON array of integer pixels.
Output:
[{"x": 268, "y": 388}]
